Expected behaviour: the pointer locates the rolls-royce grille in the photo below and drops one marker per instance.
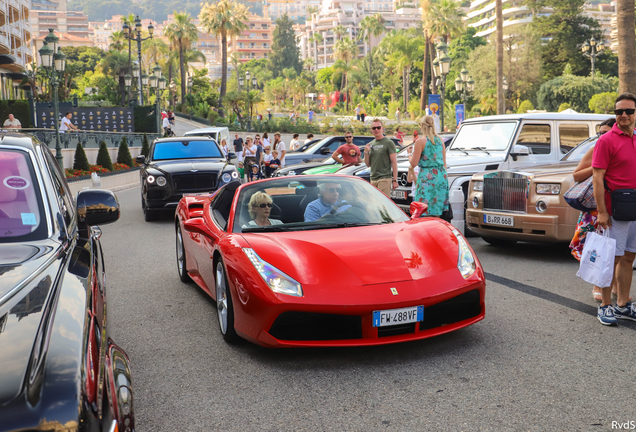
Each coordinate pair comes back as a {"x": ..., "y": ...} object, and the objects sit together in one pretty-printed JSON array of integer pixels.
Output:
[
  {"x": 195, "y": 182},
  {"x": 508, "y": 194}
]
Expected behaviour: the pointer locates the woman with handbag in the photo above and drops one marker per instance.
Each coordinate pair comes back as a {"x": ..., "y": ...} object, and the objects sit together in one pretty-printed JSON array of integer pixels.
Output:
[
  {"x": 429, "y": 154},
  {"x": 587, "y": 220}
]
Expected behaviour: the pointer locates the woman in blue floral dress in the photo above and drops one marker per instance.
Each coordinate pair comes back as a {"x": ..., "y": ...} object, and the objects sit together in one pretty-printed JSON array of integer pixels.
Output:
[{"x": 429, "y": 154}]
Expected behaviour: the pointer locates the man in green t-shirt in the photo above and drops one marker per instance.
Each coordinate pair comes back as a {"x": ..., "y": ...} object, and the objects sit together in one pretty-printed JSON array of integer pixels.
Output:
[{"x": 380, "y": 155}]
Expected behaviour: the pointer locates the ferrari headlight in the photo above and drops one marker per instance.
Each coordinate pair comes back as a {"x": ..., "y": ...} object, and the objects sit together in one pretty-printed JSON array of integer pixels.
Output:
[
  {"x": 465, "y": 260},
  {"x": 150, "y": 179},
  {"x": 478, "y": 186},
  {"x": 226, "y": 177},
  {"x": 278, "y": 281},
  {"x": 161, "y": 181},
  {"x": 548, "y": 188}
]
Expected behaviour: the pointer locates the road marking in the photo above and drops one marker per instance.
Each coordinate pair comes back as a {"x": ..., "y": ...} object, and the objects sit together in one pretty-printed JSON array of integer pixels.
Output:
[{"x": 547, "y": 295}]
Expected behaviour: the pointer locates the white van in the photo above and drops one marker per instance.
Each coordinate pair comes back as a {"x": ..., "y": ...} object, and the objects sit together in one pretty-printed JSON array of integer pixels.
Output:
[{"x": 216, "y": 133}]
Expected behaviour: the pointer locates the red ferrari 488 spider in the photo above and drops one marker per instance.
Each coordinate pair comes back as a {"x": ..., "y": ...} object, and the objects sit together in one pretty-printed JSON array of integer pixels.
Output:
[{"x": 326, "y": 261}]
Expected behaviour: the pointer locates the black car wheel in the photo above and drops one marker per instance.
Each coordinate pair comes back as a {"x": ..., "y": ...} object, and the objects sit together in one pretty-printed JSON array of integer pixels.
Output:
[
  {"x": 149, "y": 215},
  {"x": 181, "y": 257},
  {"x": 224, "y": 306},
  {"x": 499, "y": 242}
]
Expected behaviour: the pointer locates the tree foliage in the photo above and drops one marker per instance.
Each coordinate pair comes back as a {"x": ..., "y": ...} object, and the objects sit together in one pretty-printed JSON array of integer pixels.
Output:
[
  {"x": 103, "y": 157},
  {"x": 603, "y": 103},
  {"x": 575, "y": 90},
  {"x": 524, "y": 107},
  {"x": 81, "y": 161},
  {"x": 123, "y": 153},
  {"x": 285, "y": 52},
  {"x": 563, "y": 32}
]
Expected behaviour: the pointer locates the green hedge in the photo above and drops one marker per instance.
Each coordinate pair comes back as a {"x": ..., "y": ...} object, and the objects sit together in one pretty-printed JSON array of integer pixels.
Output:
[
  {"x": 19, "y": 108},
  {"x": 145, "y": 119}
]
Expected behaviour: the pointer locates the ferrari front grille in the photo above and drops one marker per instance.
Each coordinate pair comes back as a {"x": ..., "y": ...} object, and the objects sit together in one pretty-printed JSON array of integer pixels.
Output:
[
  {"x": 309, "y": 326},
  {"x": 462, "y": 307}
]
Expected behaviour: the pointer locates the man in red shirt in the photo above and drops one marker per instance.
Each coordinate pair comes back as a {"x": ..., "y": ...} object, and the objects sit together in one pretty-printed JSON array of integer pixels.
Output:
[
  {"x": 347, "y": 153},
  {"x": 614, "y": 162}
]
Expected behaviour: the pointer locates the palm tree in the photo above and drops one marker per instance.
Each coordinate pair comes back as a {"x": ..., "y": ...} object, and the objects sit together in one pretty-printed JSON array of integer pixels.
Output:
[
  {"x": 226, "y": 18},
  {"x": 339, "y": 31},
  {"x": 501, "y": 102},
  {"x": 371, "y": 26},
  {"x": 117, "y": 41},
  {"x": 235, "y": 58},
  {"x": 252, "y": 98},
  {"x": 405, "y": 49},
  {"x": 626, "y": 46},
  {"x": 182, "y": 33},
  {"x": 346, "y": 50},
  {"x": 152, "y": 51},
  {"x": 116, "y": 63},
  {"x": 316, "y": 38}
]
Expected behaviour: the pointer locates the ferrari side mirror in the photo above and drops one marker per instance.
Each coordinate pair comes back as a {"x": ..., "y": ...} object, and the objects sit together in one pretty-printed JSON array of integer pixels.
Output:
[{"x": 417, "y": 209}]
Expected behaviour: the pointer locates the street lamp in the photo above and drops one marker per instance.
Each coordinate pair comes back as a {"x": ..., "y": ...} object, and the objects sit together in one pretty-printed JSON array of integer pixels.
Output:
[
  {"x": 441, "y": 67},
  {"x": 591, "y": 49},
  {"x": 464, "y": 84},
  {"x": 135, "y": 35},
  {"x": 54, "y": 63}
]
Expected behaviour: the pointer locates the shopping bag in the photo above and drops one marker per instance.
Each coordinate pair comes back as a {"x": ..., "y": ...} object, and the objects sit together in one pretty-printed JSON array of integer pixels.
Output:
[
  {"x": 597, "y": 259},
  {"x": 581, "y": 196}
]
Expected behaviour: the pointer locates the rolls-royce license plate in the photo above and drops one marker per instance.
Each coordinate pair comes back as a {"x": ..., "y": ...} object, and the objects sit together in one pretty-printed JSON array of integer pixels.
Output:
[
  {"x": 499, "y": 220},
  {"x": 398, "y": 316}
]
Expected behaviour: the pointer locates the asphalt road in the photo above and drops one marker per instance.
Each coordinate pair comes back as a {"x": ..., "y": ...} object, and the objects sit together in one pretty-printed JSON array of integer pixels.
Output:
[{"x": 540, "y": 361}]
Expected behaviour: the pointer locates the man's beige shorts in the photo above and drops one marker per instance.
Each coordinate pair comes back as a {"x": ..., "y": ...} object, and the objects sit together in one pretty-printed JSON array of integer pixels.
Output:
[{"x": 384, "y": 185}]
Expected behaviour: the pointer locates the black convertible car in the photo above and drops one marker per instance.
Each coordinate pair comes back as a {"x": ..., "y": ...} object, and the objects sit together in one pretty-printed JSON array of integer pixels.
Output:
[
  {"x": 182, "y": 166},
  {"x": 59, "y": 370}
]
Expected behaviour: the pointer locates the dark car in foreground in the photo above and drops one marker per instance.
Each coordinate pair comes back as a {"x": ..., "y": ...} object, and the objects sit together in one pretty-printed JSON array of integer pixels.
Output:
[
  {"x": 59, "y": 369},
  {"x": 182, "y": 166}
]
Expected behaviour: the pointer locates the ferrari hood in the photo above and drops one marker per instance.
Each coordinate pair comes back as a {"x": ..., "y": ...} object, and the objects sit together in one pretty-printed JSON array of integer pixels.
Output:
[{"x": 360, "y": 255}]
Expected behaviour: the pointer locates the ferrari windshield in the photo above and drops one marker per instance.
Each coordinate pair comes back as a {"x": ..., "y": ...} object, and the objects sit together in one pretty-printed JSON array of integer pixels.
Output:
[
  {"x": 165, "y": 150},
  {"x": 318, "y": 202},
  {"x": 491, "y": 136}
]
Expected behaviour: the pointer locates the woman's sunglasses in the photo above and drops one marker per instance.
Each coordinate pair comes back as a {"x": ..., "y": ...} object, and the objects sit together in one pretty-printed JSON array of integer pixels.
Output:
[{"x": 264, "y": 205}]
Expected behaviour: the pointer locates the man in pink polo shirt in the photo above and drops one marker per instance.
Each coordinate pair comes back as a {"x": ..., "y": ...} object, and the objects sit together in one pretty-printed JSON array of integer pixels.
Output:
[{"x": 614, "y": 162}]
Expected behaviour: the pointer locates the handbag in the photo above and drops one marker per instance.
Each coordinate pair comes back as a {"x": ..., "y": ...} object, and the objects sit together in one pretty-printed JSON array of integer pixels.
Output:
[
  {"x": 447, "y": 215},
  {"x": 623, "y": 203},
  {"x": 597, "y": 259},
  {"x": 581, "y": 195}
]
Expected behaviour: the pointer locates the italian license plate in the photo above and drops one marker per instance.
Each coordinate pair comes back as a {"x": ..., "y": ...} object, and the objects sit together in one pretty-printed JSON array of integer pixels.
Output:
[
  {"x": 396, "y": 194},
  {"x": 398, "y": 316},
  {"x": 196, "y": 194},
  {"x": 499, "y": 220}
]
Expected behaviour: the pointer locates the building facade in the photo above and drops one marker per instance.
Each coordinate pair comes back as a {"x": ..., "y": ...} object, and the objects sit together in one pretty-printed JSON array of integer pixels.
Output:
[
  {"x": 256, "y": 40},
  {"x": 15, "y": 45},
  {"x": 481, "y": 15},
  {"x": 348, "y": 14}
]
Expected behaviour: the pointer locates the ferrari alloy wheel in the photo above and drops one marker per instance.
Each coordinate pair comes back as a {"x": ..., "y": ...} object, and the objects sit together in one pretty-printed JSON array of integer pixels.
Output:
[
  {"x": 181, "y": 257},
  {"x": 225, "y": 309}
]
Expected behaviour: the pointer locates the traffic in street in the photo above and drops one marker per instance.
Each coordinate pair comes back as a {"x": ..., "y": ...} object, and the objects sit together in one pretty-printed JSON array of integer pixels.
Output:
[{"x": 538, "y": 361}]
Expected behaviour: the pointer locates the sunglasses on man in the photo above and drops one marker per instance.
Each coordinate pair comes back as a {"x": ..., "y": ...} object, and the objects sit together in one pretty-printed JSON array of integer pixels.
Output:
[
  {"x": 348, "y": 137},
  {"x": 376, "y": 127},
  {"x": 264, "y": 205},
  {"x": 628, "y": 111}
]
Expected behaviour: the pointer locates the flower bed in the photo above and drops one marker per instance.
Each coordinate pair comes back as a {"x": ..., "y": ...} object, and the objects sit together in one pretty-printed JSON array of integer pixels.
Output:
[{"x": 77, "y": 174}]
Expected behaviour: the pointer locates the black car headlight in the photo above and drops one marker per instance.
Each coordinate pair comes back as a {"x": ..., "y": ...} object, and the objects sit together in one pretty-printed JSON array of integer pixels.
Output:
[
  {"x": 229, "y": 176},
  {"x": 161, "y": 181}
]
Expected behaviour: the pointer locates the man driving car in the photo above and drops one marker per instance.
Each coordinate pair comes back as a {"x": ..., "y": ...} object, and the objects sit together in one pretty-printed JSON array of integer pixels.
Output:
[{"x": 328, "y": 202}]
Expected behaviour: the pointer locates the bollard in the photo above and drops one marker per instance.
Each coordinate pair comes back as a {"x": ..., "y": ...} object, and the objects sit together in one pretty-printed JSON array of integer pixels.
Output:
[
  {"x": 96, "y": 181},
  {"x": 457, "y": 204}
]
